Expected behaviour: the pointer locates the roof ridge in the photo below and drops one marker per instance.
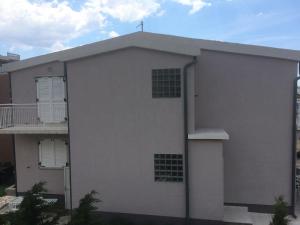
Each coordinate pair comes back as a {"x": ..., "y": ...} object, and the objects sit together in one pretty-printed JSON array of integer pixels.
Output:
[{"x": 160, "y": 42}]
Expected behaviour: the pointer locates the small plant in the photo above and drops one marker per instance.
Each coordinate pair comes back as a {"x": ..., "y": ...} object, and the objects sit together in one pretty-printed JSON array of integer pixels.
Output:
[
  {"x": 33, "y": 210},
  {"x": 280, "y": 211},
  {"x": 85, "y": 213}
]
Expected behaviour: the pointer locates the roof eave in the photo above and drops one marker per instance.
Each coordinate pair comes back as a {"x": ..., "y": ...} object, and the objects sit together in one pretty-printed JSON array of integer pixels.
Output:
[{"x": 159, "y": 42}]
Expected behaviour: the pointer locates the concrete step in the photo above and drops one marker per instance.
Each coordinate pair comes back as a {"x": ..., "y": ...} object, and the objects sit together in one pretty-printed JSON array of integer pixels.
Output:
[{"x": 237, "y": 215}]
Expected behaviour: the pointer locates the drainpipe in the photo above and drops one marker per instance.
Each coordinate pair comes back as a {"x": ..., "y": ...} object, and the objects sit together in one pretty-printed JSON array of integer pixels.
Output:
[
  {"x": 294, "y": 144},
  {"x": 69, "y": 142},
  {"x": 186, "y": 143}
]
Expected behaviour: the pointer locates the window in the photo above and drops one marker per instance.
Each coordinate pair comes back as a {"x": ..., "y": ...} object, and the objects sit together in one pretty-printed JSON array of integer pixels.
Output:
[
  {"x": 53, "y": 153},
  {"x": 166, "y": 83},
  {"x": 51, "y": 99},
  {"x": 168, "y": 167}
]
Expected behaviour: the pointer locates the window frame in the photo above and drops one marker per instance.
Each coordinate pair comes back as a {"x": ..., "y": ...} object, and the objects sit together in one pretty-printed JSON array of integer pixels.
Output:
[
  {"x": 166, "y": 83},
  {"x": 168, "y": 167}
]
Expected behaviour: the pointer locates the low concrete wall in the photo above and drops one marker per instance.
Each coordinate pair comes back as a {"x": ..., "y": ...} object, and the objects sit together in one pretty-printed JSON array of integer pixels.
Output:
[
  {"x": 28, "y": 171},
  {"x": 206, "y": 179}
]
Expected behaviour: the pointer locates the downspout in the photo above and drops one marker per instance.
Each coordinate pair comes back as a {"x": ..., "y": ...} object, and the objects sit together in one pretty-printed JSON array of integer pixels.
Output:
[
  {"x": 69, "y": 142},
  {"x": 186, "y": 141},
  {"x": 294, "y": 144}
]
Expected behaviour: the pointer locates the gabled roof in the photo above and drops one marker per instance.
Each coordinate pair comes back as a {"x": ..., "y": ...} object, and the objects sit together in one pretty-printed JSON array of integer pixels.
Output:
[{"x": 167, "y": 43}]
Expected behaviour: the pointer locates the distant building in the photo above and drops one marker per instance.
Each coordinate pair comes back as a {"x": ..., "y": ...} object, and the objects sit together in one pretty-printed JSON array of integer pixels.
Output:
[{"x": 6, "y": 142}]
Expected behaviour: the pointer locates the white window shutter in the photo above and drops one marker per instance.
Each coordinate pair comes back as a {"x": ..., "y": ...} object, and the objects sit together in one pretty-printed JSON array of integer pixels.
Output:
[
  {"x": 61, "y": 158},
  {"x": 58, "y": 99},
  {"x": 43, "y": 89},
  {"x": 44, "y": 98},
  {"x": 51, "y": 99},
  {"x": 58, "y": 89},
  {"x": 46, "y": 153}
]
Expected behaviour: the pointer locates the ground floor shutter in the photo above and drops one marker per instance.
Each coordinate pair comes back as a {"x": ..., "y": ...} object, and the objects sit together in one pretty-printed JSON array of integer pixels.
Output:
[
  {"x": 60, "y": 153},
  {"x": 53, "y": 153},
  {"x": 47, "y": 155}
]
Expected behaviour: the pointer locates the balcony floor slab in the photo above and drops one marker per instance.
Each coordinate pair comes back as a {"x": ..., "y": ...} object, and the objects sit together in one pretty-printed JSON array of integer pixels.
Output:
[{"x": 62, "y": 129}]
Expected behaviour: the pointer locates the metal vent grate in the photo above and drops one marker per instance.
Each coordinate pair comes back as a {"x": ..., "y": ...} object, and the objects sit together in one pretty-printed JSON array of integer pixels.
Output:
[
  {"x": 168, "y": 167},
  {"x": 166, "y": 83}
]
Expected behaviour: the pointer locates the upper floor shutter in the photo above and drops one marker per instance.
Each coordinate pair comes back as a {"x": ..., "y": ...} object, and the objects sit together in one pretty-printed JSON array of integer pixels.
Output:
[
  {"x": 43, "y": 89},
  {"x": 44, "y": 99},
  {"x": 58, "y": 99},
  {"x": 51, "y": 99}
]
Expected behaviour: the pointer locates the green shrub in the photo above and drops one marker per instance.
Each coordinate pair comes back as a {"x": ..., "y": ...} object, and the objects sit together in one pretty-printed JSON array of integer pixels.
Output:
[
  {"x": 85, "y": 213},
  {"x": 33, "y": 210},
  {"x": 280, "y": 211}
]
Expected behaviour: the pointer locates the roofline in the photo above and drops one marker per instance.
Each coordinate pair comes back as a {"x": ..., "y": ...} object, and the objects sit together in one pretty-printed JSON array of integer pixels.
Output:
[
  {"x": 9, "y": 57},
  {"x": 160, "y": 42}
]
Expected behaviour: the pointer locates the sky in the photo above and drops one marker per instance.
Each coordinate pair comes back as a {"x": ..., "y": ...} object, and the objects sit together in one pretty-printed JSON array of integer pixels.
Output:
[{"x": 35, "y": 27}]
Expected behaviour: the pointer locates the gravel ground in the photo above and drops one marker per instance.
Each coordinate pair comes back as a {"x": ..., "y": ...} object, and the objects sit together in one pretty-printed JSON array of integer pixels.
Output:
[
  {"x": 5, "y": 200},
  {"x": 64, "y": 220}
]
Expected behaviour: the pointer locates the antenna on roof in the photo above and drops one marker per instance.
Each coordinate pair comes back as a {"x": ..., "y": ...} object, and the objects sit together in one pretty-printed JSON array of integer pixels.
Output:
[{"x": 141, "y": 25}]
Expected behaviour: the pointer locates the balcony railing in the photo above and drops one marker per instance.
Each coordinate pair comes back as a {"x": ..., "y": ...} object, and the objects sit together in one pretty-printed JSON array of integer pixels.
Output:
[{"x": 32, "y": 115}]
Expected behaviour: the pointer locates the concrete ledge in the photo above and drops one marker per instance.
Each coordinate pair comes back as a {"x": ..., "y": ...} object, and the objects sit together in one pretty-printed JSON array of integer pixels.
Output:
[
  {"x": 258, "y": 208},
  {"x": 35, "y": 130},
  {"x": 209, "y": 134},
  {"x": 141, "y": 219}
]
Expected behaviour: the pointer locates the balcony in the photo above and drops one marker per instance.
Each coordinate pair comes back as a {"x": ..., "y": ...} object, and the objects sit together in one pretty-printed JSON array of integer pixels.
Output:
[{"x": 37, "y": 118}]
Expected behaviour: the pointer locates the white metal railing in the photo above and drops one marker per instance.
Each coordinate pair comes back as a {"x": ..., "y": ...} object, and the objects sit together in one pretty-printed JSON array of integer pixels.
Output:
[{"x": 13, "y": 115}]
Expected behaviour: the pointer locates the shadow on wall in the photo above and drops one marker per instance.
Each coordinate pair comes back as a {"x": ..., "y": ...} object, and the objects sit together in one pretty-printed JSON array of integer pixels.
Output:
[{"x": 6, "y": 150}]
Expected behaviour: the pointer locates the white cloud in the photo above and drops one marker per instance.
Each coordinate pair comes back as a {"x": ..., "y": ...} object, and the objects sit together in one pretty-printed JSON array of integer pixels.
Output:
[
  {"x": 51, "y": 24},
  {"x": 196, "y": 5},
  {"x": 58, "y": 46},
  {"x": 113, "y": 34},
  {"x": 42, "y": 24},
  {"x": 126, "y": 10}
]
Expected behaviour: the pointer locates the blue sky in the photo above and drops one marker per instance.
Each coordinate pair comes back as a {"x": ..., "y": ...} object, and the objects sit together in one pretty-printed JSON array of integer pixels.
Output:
[{"x": 34, "y": 27}]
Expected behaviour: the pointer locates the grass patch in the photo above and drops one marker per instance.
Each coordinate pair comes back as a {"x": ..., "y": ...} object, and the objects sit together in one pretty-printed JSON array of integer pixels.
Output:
[{"x": 2, "y": 190}]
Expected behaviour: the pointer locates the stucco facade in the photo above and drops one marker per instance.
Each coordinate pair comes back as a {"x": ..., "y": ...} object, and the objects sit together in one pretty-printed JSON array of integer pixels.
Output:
[
  {"x": 124, "y": 127},
  {"x": 116, "y": 126},
  {"x": 252, "y": 99},
  {"x": 28, "y": 170},
  {"x": 26, "y": 78}
]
